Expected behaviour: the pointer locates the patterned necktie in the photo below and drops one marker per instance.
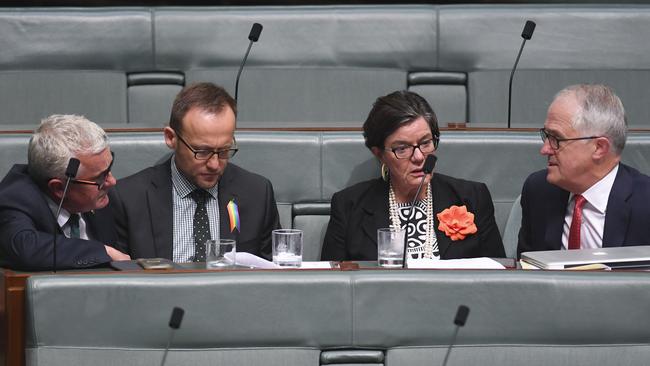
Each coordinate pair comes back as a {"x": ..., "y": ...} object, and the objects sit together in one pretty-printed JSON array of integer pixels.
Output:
[
  {"x": 73, "y": 223},
  {"x": 574, "y": 231},
  {"x": 201, "y": 224}
]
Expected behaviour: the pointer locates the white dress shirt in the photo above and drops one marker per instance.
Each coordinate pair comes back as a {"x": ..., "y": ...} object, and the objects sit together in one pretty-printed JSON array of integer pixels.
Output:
[
  {"x": 184, "y": 207},
  {"x": 593, "y": 213},
  {"x": 64, "y": 216}
]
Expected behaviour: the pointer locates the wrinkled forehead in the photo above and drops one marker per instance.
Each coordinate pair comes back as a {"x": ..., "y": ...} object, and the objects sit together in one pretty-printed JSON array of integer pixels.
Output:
[{"x": 562, "y": 112}]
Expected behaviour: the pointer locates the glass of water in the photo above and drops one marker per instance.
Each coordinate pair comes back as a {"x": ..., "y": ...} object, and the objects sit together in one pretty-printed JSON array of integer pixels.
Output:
[
  {"x": 287, "y": 247},
  {"x": 220, "y": 253},
  {"x": 390, "y": 247}
]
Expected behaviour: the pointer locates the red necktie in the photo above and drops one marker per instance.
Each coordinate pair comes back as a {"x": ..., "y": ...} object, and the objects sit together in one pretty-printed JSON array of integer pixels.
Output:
[{"x": 574, "y": 231}]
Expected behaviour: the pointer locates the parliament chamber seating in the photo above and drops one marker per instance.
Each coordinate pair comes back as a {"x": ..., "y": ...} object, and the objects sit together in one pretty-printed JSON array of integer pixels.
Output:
[
  {"x": 122, "y": 66},
  {"x": 317, "y": 66},
  {"x": 308, "y": 167},
  {"x": 348, "y": 318},
  {"x": 317, "y": 69}
]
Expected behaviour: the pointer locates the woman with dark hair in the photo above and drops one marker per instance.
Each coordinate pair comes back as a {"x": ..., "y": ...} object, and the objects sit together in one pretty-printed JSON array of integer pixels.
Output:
[{"x": 452, "y": 218}]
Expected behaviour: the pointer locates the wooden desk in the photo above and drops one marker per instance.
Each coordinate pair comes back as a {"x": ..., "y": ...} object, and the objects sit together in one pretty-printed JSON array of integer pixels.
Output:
[{"x": 12, "y": 317}]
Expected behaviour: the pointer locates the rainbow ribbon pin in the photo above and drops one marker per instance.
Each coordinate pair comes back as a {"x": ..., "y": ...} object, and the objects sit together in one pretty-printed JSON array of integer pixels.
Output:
[{"x": 233, "y": 213}]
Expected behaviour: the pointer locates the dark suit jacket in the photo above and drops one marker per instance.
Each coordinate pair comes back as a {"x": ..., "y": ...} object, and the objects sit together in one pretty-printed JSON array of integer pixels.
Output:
[
  {"x": 358, "y": 211},
  {"x": 27, "y": 229},
  {"x": 627, "y": 221},
  {"x": 142, "y": 206}
]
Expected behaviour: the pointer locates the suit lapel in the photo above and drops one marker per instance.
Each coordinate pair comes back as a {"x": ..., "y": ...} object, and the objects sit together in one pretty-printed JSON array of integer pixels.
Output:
[
  {"x": 375, "y": 211},
  {"x": 618, "y": 209},
  {"x": 97, "y": 228},
  {"x": 45, "y": 214},
  {"x": 555, "y": 212},
  {"x": 443, "y": 198},
  {"x": 93, "y": 228},
  {"x": 227, "y": 192},
  {"x": 160, "y": 204}
]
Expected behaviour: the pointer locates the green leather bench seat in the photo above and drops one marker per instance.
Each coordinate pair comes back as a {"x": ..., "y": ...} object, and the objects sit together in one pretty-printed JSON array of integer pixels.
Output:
[
  {"x": 317, "y": 66},
  {"x": 385, "y": 317}
]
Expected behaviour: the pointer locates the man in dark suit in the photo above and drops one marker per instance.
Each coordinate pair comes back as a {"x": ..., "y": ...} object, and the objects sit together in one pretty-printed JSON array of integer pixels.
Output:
[
  {"x": 169, "y": 210},
  {"x": 585, "y": 198},
  {"x": 30, "y": 194}
]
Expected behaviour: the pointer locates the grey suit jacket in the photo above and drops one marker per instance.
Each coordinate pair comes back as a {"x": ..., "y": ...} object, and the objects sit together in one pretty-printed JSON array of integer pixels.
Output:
[{"x": 142, "y": 206}]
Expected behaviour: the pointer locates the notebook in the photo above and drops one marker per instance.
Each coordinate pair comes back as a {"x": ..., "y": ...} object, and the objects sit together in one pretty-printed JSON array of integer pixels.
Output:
[{"x": 615, "y": 257}]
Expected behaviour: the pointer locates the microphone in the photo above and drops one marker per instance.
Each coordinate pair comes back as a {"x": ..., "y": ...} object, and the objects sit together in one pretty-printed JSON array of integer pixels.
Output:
[
  {"x": 256, "y": 30},
  {"x": 427, "y": 168},
  {"x": 459, "y": 320},
  {"x": 174, "y": 323},
  {"x": 253, "y": 36},
  {"x": 70, "y": 172},
  {"x": 526, "y": 34}
]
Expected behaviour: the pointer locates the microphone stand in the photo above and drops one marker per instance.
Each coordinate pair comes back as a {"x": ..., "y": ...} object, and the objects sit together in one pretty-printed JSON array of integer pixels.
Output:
[
  {"x": 427, "y": 168},
  {"x": 459, "y": 320},
  {"x": 174, "y": 323},
  {"x": 254, "y": 35},
  {"x": 527, "y": 34},
  {"x": 512, "y": 74},
  {"x": 70, "y": 172}
]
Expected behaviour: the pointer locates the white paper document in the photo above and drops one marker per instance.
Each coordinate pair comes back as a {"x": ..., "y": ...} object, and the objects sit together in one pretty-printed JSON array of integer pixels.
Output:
[
  {"x": 250, "y": 260},
  {"x": 526, "y": 265},
  {"x": 468, "y": 263}
]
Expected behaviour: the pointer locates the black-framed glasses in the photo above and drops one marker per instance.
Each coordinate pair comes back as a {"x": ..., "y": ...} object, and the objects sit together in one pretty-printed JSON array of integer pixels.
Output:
[
  {"x": 554, "y": 141},
  {"x": 406, "y": 151},
  {"x": 207, "y": 154},
  {"x": 101, "y": 181}
]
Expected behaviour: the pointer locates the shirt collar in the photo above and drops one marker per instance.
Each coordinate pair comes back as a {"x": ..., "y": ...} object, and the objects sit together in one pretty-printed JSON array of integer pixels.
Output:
[
  {"x": 598, "y": 194},
  {"x": 64, "y": 216},
  {"x": 183, "y": 186}
]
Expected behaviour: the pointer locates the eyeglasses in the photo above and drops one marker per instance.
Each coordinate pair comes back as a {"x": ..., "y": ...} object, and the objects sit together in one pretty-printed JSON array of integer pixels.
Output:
[
  {"x": 406, "y": 151},
  {"x": 207, "y": 154},
  {"x": 555, "y": 141},
  {"x": 101, "y": 181}
]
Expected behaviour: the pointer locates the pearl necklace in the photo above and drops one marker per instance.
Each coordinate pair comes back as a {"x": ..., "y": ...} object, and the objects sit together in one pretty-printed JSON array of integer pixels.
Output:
[{"x": 395, "y": 222}]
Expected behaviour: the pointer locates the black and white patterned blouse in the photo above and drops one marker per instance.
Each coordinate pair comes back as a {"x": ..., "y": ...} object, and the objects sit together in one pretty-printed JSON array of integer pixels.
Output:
[{"x": 416, "y": 231}]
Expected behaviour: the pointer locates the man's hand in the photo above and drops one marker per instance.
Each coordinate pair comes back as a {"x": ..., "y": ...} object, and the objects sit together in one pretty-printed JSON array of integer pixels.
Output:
[{"x": 116, "y": 255}]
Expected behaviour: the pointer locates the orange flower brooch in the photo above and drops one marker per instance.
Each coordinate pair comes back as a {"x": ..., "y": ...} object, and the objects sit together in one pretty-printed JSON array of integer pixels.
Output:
[{"x": 456, "y": 222}]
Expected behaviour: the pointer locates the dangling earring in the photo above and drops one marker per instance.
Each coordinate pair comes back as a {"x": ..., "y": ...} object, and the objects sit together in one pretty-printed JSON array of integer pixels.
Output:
[{"x": 385, "y": 173}]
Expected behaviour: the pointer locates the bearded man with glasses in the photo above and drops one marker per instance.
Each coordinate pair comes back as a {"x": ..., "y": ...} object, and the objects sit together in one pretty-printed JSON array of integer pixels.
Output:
[
  {"x": 585, "y": 198},
  {"x": 171, "y": 209},
  {"x": 30, "y": 195}
]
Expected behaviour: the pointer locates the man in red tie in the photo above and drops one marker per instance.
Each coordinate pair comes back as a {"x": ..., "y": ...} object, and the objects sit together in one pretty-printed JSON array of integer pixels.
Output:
[{"x": 585, "y": 198}]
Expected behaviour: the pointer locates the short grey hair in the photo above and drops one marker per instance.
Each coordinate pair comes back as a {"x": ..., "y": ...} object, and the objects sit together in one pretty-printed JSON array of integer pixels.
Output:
[
  {"x": 59, "y": 138},
  {"x": 600, "y": 113}
]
